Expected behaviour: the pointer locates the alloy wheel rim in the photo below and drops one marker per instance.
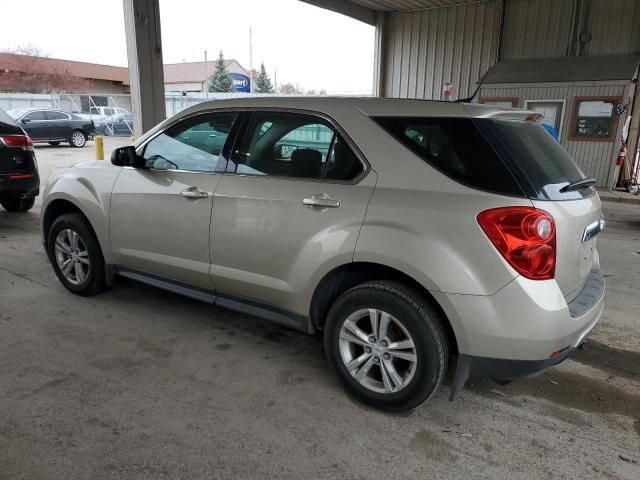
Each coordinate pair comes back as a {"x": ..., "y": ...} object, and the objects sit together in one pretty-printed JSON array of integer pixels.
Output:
[
  {"x": 72, "y": 257},
  {"x": 377, "y": 350},
  {"x": 78, "y": 139}
]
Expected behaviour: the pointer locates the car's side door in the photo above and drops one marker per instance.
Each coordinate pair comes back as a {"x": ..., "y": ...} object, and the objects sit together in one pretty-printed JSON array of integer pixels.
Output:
[
  {"x": 160, "y": 214},
  {"x": 289, "y": 207},
  {"x": 34, "y": 124}
]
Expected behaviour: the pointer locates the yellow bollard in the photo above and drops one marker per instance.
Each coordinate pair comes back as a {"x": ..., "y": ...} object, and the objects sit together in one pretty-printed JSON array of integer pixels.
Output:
[{"x": 99, "y": 143}]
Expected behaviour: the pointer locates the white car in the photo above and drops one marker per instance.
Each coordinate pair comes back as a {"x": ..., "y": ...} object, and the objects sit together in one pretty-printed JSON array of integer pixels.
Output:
[{"x": 414, "y": 234}]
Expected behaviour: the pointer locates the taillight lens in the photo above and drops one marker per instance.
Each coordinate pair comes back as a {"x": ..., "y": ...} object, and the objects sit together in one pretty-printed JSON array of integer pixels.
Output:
[
  {"x": 526, "y": 238},
  {"x": 16, "y": 141}
]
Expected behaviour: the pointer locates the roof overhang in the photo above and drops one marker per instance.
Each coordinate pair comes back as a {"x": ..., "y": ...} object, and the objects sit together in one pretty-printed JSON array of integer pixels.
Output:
[
  {"x": 564, "y": 69},
  {"x": 365, "y": 10}
]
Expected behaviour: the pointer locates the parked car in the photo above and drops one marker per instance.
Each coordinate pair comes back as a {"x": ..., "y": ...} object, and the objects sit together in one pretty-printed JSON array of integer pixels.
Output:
[
  {"x": 118, "y": 124},
  {"x": 19, "y": 179},
  {"x": 53, "y": 126},
  {"x": 413, "y": 233},
  {"x": 98, "y": 114}
]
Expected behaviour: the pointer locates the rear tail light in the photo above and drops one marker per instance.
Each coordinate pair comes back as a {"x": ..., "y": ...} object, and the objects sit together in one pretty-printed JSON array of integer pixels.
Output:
[
  {"x": 526, "y": 238},
  {"x": 16, "y": 141}
]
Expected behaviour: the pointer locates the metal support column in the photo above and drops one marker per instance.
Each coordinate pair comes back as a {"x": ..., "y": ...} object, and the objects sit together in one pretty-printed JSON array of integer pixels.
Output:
[{"x": 144, "y": 52}]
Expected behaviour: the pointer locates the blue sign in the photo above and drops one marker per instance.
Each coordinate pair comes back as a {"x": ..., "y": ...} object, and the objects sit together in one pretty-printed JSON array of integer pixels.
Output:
[{"x": 240, "y": 82}]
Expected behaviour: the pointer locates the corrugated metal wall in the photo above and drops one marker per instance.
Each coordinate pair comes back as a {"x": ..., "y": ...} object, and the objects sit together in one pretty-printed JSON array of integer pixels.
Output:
[
  {"x": 595, "y": 158},
  {"x": 535, "y": 28},
  {"x": 427, "y": 48},
  {"x": 542, "y": 28},
  {"x": 614, "y": 26}
]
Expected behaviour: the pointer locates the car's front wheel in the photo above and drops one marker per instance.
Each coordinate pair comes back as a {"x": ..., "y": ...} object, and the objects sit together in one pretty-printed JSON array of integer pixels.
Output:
[
  {"x": 387, "y": 345},
  {"x": 14, "y": 203},
  {"x": 76, "y": 255},
  {"x": 78, "y": 139}
]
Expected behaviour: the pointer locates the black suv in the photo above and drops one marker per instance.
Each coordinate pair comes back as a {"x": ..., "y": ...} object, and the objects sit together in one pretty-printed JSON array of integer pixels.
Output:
[{"x": 19, "y": 179}]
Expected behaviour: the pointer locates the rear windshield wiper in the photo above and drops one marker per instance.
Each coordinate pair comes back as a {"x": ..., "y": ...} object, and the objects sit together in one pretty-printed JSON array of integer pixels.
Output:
[{"x": 578, "y": 184}]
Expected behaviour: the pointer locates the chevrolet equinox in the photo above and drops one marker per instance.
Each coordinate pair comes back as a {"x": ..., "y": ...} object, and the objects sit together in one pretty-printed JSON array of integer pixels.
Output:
[{"x": 412, "y": 233}]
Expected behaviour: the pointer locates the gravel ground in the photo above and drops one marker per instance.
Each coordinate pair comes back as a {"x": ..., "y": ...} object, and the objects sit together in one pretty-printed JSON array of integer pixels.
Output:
[{"x": 140, "y": 383}]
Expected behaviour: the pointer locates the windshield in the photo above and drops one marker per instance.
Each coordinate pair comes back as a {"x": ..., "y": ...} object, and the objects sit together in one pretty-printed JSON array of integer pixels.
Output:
[{"x": 539, "y": 162}]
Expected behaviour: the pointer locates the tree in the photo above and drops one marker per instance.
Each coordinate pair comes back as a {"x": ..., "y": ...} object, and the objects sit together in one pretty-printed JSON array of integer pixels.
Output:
[
  {"x": 291, "y": 89},
  {"x": 220, "y": 81},
  {"x": 263, "y": 81},
  {"x": 27, "y": 69}
]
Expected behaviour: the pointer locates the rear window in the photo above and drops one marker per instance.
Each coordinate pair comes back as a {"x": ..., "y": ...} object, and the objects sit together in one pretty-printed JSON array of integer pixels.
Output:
[
  {"x": 8, "y": 125},
  {"x": 539, "y": 162},
  {"x": 456, "y": 147}
]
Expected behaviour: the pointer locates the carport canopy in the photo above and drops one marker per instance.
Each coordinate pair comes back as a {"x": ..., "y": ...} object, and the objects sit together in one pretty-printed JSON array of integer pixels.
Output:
[{"x": 144, "y": 46}]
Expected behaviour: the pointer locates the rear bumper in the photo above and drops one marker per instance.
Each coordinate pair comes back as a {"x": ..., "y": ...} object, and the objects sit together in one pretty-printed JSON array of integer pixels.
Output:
[
  {"x": 514, "y": 333},
  {"x": 12, "y": 186}
]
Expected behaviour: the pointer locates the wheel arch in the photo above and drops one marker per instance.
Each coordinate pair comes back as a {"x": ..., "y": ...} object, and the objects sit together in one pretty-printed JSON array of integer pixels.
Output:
[
  {"x": 346, "y": 276},
  {"x": 61, "y": 206}
]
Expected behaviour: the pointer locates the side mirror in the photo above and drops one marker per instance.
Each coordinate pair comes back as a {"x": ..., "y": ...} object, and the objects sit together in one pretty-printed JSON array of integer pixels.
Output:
[
  {"x": 127, "y": 157},
  {"x": 25, "y": 120}
]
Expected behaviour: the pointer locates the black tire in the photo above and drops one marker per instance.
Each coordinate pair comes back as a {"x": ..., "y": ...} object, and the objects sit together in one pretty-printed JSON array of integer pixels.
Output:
[
  {"x": 54, "y": 143},
  {"x": 14, "y": 203},
  {"x": 77, "y": 134},
  {"x": 95, "y": 280},
  {"x": 422, "y": 322}
]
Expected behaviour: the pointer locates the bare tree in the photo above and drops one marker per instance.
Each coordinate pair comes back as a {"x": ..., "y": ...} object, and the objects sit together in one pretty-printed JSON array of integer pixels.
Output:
[
  {"x": 28, "y": 69},
  {"x": 291, "y": 89}
]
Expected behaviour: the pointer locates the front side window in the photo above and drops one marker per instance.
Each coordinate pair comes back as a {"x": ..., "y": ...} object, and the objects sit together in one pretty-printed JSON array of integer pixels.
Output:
[
  {"x": 195, "y": 144},
  {"x": 594, "y": 118},
  {"x": 294, "y": 145}
]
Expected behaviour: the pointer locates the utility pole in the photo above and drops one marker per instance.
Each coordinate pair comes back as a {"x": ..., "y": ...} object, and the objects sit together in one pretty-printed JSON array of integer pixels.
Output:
[
  {"x": 250, "y": 61},
  {"x": 275, "y": 80},
  {"x": 206, "y": 77}
]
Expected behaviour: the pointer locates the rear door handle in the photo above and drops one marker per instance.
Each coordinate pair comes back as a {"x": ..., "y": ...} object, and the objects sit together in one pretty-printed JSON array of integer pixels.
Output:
[
  {"x": 321, "y": 201},
  {"x": 193, "y": 193}
]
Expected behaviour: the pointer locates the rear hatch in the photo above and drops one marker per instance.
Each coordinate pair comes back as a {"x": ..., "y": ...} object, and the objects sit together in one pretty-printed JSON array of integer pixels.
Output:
[{"x": 543, "y": 168}]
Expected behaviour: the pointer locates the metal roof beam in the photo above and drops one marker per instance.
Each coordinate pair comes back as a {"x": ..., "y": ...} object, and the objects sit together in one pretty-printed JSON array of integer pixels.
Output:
[{"x": 345, "y": 7}]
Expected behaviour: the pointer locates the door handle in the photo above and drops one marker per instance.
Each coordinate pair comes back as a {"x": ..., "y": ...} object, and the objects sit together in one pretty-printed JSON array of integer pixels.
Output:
[
  {"x": 195, "y": 193},
  {"x": 321, "y": 201}
]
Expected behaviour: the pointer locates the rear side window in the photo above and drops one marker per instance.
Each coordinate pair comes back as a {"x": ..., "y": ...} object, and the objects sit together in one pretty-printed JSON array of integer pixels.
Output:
[
  {"x": 456, "y": 147},
  {"x": 539, "y": 162}
]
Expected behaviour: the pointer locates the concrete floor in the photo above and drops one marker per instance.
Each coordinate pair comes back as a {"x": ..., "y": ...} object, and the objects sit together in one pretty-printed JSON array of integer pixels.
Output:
[{"x": 139, "y": 383}]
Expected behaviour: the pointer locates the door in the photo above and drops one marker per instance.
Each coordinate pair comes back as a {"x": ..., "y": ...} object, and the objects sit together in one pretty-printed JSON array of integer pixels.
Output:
[
  {"x": 35, "y": 125},
  {"x": 160, "y": 215},
  {"x": 58, "y": 124},
  {"x": 291, "y": 204}
]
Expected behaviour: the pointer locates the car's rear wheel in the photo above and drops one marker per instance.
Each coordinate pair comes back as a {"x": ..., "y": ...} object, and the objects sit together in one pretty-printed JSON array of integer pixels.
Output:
[
  {"x": 76, "y": 255},
  {"x": 387, "y": 345},
  {"x": 78, "y": 139},
  {"x": 54, "y": 143},
  {"x": 14, "y": 203}
]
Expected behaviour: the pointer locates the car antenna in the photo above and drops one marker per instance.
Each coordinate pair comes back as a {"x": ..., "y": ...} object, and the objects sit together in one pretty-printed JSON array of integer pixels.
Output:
[{"x": 470, "y": 99}]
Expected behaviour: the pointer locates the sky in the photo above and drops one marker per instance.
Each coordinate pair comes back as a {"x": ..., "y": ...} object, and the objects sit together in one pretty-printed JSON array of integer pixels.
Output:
[{"x": 306, "y": 45}]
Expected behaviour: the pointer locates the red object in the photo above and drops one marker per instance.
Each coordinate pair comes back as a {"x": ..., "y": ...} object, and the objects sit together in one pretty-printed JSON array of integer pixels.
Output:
[
  {"x": 533, "y": 117},
  {"x": 21, "y": 141},
  {"x": 558, "y": 352},
  {"x": 447, "y": 91},
  {"x": 621, "y": 155},
  {"x": 20, "y": 176},
  {"x": 526, "y": 238}
]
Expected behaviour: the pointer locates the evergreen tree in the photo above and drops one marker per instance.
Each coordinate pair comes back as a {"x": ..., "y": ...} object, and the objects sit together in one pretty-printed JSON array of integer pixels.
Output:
[
  {"x": 263, "y": 82},
  {"x": 220, "y": 81}
]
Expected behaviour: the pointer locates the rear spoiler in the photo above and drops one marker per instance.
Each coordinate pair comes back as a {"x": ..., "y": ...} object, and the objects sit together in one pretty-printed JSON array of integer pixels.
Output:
[{"x": 477, "y": 110}]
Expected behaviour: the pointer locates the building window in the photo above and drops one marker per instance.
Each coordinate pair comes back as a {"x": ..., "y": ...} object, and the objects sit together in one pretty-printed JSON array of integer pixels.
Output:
[
  {"x": 500, "y": 101},
  {"x": 594, "y": 118},
  {"x": 552, "y": 112}
]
